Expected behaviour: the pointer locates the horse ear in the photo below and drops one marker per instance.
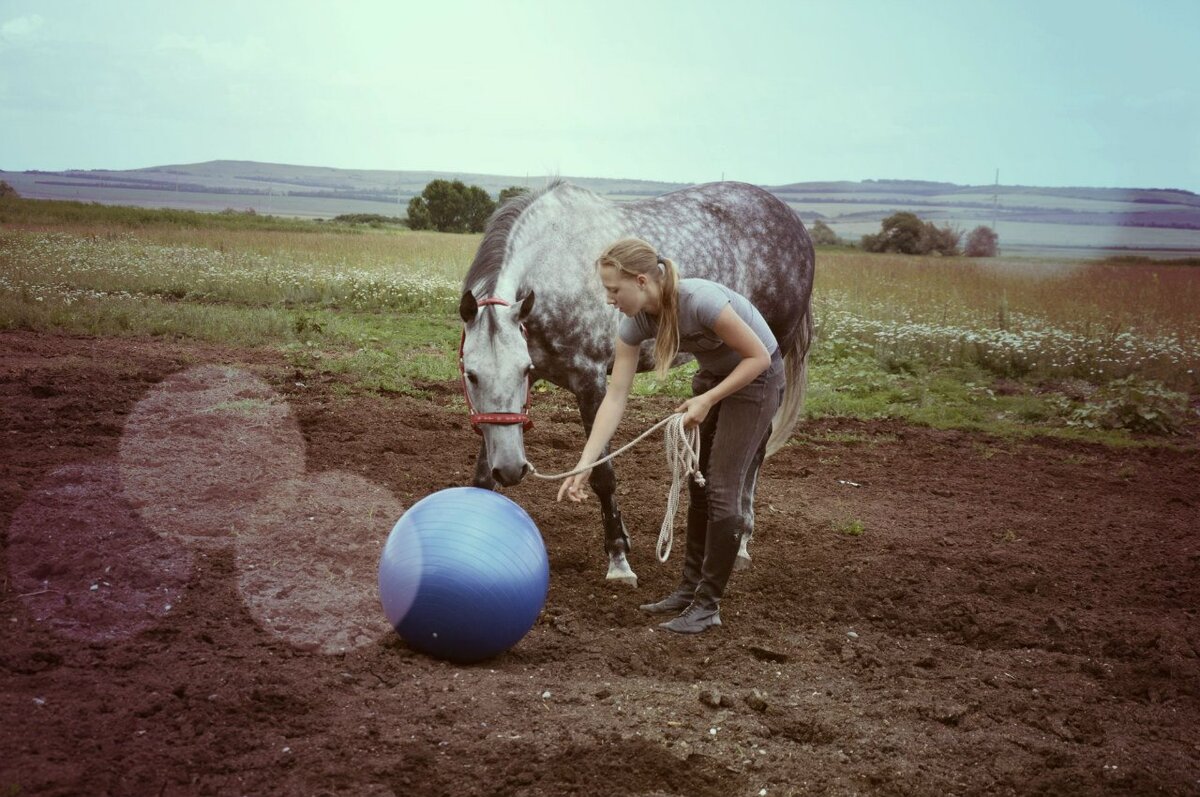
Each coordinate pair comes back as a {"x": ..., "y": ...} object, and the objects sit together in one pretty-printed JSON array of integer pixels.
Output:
[
  {"x": 526, "y": 306},
  {"x": 468, "y": 307}
]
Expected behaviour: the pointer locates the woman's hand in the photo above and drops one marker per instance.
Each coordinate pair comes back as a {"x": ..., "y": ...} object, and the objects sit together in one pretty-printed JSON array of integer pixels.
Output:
[
  {"x": 694, "y": 410},
  {"x": 574, "y": 487}
]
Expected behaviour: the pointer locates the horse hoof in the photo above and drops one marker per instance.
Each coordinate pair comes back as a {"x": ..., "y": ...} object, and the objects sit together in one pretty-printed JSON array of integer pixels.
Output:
[
  {"x": 626, "y": 576},
  {"x": 741, "y": 562}
]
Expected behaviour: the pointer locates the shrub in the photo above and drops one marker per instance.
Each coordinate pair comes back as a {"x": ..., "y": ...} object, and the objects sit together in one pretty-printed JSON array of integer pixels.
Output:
[
  {"x": 1139, "y": 405},
  {"x": 372, "y": 219},
  {"x": 823, "y": 235},
  {"x": 904, "y": 233},
  {"x": 7, "y": 190},
  {"x": 899, "y": 232},
  {"x": 982, "y": 242},
  {"x": 938, "y": 240}
]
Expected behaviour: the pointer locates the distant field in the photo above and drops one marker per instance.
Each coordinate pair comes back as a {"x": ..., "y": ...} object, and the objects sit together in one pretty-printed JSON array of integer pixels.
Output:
[
  {"x": 1047, "y": 343},
  {"x": 1062, "y": 222},
  {"x": 281, "y": 205},
  {"x": 1060, "y": 240}
]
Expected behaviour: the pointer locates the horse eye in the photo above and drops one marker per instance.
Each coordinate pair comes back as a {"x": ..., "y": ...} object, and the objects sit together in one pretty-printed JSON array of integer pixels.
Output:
[
  {"x": 472, "y": 378},
  {"x": 529, "y": 368}
]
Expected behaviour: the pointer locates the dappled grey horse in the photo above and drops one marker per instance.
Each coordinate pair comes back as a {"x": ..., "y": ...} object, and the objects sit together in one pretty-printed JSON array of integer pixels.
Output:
[{"x": 545, "y": 245}]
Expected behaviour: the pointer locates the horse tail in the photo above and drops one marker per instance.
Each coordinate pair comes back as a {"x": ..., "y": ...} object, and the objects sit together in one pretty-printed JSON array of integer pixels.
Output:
[{"x": 795, "y": 372}]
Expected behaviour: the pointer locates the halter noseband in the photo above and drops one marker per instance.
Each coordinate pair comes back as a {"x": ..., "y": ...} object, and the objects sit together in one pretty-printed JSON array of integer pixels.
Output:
[{"x": 502, "y": 418}]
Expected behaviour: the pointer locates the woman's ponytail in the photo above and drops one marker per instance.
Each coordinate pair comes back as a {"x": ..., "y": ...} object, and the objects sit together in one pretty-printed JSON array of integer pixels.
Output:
[{"x": 666, "y": 344}]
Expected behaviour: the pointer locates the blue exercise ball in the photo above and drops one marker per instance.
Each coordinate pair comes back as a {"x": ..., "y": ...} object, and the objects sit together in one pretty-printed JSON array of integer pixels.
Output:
[{"x": 464, "y": 574}]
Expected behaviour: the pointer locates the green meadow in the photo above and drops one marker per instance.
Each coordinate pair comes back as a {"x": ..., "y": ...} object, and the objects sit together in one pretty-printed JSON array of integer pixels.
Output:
[{"x": 1105, "y": 350}]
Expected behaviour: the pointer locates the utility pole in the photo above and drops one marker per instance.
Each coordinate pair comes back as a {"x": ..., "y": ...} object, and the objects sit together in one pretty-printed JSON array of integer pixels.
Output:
[{"x": 995, "y": 199}]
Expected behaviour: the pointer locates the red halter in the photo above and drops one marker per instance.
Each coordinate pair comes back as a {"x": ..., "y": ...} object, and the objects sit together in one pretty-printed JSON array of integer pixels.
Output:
[{"x": 480, "y": 418}]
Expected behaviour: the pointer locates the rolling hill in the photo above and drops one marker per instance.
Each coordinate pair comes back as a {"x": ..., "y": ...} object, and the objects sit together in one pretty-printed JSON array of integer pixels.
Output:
[{"x": 1035, "y": 220}]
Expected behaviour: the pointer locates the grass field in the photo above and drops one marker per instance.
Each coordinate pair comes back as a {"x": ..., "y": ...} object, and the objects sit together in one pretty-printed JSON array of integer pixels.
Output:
[{"x": 1010, "y": 345}]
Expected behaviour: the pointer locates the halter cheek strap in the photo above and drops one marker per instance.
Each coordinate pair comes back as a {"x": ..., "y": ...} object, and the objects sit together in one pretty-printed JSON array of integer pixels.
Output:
[{"x": 501, "y": 418}]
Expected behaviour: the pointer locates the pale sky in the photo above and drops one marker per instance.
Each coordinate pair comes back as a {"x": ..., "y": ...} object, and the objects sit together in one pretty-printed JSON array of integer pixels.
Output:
[{"x": 1051, "y": 92}]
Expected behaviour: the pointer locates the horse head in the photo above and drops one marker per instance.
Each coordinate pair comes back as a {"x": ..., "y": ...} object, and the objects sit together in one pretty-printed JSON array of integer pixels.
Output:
[{"x": 496, "y": 368}]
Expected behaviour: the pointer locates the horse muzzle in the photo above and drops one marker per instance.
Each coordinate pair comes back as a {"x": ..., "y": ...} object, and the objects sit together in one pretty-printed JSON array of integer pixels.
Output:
[{"x": 506, "y": 452}]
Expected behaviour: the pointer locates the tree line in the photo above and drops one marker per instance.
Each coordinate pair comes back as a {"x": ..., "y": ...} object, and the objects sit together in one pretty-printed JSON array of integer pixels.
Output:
[{"x": 906, "y": 234}]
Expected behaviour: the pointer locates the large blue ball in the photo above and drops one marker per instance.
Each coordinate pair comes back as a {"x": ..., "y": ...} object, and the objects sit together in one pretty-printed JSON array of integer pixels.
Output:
[{"x": 464, "y": 574}]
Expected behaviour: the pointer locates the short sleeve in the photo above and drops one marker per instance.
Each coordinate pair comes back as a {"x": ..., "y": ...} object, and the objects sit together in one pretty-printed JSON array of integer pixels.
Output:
[{"x": 708, "y": 300}]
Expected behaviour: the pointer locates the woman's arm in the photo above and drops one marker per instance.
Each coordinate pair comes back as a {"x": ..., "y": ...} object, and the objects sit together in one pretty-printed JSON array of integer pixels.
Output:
[
  {"x": 738, "y": 335},
  {"x": 608, "y": 416}
]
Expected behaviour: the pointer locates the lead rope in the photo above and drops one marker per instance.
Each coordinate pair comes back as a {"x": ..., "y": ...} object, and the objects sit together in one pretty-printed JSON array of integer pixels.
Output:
[{"x": 683, "y": 455}]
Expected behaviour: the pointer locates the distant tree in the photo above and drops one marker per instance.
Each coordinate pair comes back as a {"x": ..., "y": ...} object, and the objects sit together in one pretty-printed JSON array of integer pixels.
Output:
[
  {"x": 447, "y": 203},
  {"x": 477, "y": 209},
  {"x": 823, "y": 235},
  {"x": 982, "y": 242},
  {"x": 7, "y": 190},
  {"x": 510, "y": 192},
  {"x": 418, "y": 214},
  {"x": 939, "y": 240},
  {"x": 904, "y": 233},
  {"x": 450, "y": 206},
  {"x": 899, "y": 232}
]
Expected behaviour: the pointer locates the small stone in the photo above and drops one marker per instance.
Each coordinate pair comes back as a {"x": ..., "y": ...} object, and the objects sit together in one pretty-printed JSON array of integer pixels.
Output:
[
  {"x": 756, "y": 701},
  {"x": 852, "y": 634},
  {"x": 546, "y": 695},
  {"x": 711, "y": 697},
  {"x": 950, "y": 714}
]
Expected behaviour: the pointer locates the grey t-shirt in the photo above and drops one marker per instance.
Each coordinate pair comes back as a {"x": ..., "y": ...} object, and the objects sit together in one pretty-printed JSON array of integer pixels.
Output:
[{"x": 700, "y": 302}]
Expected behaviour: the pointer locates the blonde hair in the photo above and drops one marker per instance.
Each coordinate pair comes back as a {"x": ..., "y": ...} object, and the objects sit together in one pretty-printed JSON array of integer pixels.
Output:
[{"x": 633, "y": 256}]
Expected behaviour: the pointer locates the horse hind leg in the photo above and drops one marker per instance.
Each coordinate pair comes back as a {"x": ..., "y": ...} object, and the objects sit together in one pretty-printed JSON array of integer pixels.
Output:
[{"x": 742, "y": 562}]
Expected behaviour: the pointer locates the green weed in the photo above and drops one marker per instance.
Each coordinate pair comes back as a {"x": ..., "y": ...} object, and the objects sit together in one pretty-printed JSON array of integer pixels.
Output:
[{"x": 850, "y": 527}]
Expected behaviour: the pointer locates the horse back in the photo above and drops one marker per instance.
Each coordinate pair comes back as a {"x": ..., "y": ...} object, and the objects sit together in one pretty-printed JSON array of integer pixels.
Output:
[{"x": 740, "y": 236}]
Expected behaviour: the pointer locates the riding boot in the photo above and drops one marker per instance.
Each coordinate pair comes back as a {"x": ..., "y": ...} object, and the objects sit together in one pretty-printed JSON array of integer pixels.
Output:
[
  {"x": 720, "y": 550},
  {"x": 697, "y": 529}
]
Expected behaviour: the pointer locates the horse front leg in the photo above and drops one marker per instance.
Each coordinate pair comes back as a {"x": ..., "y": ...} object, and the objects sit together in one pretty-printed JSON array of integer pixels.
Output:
[{"x": 603, "y": 481}]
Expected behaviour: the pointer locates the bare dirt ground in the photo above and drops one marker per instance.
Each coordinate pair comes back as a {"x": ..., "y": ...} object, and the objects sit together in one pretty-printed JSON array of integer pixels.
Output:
[{"x": 1014, "y": 618}]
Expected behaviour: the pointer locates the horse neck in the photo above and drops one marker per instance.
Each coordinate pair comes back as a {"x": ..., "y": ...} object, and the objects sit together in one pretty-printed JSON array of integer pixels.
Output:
[{"x": 553, "y": 247}]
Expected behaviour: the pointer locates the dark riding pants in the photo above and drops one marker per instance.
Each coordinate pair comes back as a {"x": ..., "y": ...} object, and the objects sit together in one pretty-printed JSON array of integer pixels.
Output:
[{"x": 732, "y": 439}]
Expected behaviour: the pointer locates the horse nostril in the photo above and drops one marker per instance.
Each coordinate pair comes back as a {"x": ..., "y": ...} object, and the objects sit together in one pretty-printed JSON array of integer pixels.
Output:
[{"x": 510, "y": 476}]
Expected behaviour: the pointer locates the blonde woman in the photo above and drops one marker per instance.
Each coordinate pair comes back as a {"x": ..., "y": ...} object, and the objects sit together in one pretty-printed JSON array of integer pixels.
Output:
[{"x": 736, "y": 391}]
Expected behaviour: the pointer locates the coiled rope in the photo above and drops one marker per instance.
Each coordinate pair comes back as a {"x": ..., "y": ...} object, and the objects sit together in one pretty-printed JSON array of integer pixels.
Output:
[{"x": 683, "y": 455}]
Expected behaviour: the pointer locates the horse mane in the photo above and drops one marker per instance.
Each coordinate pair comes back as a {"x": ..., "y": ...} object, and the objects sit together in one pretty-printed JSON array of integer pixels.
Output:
[{"x": 489, "y": 259}]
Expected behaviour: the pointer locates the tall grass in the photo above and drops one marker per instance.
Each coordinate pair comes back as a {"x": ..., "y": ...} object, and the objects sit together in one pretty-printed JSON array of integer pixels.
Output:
[
  {"x": 405, "y": 272},
  {"x": 1012, "y": 318}
]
